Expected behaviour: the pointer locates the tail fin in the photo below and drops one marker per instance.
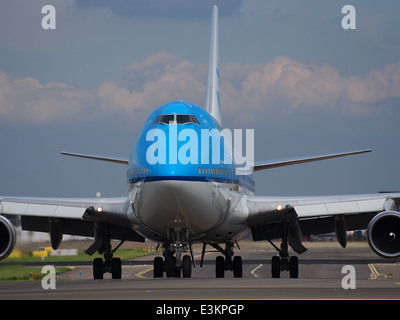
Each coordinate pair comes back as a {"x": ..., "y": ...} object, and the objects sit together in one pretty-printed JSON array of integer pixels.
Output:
[{"x": 212, "y": 99}]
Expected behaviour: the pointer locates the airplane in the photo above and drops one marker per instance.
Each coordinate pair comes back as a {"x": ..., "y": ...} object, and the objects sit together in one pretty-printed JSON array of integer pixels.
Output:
[{"x": 208, "y": 202}]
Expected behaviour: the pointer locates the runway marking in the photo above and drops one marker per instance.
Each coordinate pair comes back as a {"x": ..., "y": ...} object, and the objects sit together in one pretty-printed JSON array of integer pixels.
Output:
[
  {"x": 374, "y": 273},
  {"x": 141, "y": 273},
  {"x": 90, "y": 293},
  {"x": 253, "y": 272}
]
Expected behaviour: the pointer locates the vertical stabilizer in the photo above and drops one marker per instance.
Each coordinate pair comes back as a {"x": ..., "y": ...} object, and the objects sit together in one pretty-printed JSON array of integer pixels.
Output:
[{"x": 212, "y": 99}]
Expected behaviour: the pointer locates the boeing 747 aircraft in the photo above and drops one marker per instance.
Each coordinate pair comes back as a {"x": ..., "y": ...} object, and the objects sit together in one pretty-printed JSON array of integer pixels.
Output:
[{"x": 183, "y": 190}]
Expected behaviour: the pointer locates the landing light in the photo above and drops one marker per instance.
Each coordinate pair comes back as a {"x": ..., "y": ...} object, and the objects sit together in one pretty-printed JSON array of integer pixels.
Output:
[{"x": 286, "y": 208}]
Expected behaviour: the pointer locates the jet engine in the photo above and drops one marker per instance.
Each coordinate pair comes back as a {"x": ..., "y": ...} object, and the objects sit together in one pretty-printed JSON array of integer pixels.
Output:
[
  {"x": 384, "y": 234},
  {"x": 8, "y": 237}
]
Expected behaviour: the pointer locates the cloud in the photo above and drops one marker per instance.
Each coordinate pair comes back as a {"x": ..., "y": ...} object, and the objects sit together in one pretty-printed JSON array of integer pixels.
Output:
[
  {"x": 377, "y": 85},
  {"x": 25, "y": 100},
  {"x": 156, "y": 80},
  {"x": 284, "y": 86},
  {"x": 273, "y": 90}
]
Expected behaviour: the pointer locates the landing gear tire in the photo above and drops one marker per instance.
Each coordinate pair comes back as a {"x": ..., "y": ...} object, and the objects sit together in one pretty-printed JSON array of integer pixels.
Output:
[
  {"x": 116, "y": 269},
  {"x": 220, "y": 267},
  {"x": 283, "y": 262},
  {"x": 276, "y": 267},
  {"x": 102, "y": 245},
  {"x": 170, "y": 267},
  {"x": 187, "y": 267},
  {"x": 237, "y": 267},
  {"x": 294, "y": 267},
  {"x": 158, "y": 267},
  {"x": 98, "y": 268}
]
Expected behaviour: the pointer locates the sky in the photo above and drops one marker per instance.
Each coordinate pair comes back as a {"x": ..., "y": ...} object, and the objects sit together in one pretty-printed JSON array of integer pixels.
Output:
[{"x": 288, "y": 70}]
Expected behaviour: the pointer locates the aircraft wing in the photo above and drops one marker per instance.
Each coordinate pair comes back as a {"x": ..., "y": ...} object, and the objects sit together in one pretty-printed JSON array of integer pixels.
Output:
[
  {"x": 72, "y": 216},
  {"x": 287, "y": 162},
  {"x": 315, "y": 215},
  {"x": 119, "y": 160}
]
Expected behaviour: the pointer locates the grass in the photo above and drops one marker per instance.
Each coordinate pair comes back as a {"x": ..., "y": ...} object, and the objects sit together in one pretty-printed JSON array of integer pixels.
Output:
[
  {"x": 124, "y": 254},
  {"x": 23, "y": 273},
  {"x": 12, "y": 269}
]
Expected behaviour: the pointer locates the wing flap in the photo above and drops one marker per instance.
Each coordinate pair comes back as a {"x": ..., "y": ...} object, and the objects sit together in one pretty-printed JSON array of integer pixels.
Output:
[
  {"x": 263, "y": 210},
  {"x": 340, "y": 207},
  {"x": 75, "y": 215},
  {"x": 79, "y": 228},
  {"x": 313, "y": 215},
  {"x": 113, "y": 210},
  {"x": 42, "y": 210}
]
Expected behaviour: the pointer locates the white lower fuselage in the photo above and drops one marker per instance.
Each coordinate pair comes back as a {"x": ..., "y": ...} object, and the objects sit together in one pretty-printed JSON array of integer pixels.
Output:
[{"x": 203, "y": 211}]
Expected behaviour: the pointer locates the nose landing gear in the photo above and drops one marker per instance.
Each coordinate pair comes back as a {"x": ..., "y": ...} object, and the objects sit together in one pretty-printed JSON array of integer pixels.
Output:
[{"x": 173, "y": 264}]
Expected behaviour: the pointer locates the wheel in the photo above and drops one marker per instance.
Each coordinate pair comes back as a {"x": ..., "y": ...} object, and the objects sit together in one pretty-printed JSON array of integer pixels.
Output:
[
  {"x": 237, "y": 267},
  {"x": 220, "y": 267},
  {"x": 177, "y": 272},
  {"x": 187, "y": 267},
  {"x": 158, "y": 267},
  {"x": 294, "y": 267},
  {"x": 116, "y": 270},
  {"x": 98, "y": 268},
  {"x": 276, "y": 267},
  {"x": 170, "y": 266}
]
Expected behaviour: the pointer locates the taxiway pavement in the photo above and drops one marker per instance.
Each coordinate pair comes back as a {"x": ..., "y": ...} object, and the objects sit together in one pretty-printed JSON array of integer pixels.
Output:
[{"x": 320, "y": 277}]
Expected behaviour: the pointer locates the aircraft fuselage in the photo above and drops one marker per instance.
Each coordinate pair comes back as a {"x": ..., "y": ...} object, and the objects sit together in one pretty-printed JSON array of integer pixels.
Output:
[{"x": 176, "y": 182}]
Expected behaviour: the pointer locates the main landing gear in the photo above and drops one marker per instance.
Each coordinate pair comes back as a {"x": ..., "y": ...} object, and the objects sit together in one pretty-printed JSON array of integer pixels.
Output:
[
  {"x": 283, "y": 262},
  {"x": 174, "y": 265},
  {"x": 226, "y": 263},
  {"x": 102, "y": 245}
]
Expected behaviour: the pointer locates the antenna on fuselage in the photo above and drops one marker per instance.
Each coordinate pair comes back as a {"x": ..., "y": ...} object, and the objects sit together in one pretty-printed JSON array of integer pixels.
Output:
[{"x": 213, "y": 105}]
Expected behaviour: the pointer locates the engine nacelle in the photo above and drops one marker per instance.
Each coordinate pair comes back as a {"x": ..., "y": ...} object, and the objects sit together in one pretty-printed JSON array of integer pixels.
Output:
[
  {"x": 8, "y": 237},
  {"x": 384, "y": 234}
]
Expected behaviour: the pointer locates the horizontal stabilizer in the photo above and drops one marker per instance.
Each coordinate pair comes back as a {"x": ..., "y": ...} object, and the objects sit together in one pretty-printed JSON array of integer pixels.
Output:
[{"x": 98, "y": 157}]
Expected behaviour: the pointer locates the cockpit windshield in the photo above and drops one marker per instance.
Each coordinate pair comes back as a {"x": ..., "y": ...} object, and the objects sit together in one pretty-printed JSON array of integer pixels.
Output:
[{"x": 176, "y": 119}]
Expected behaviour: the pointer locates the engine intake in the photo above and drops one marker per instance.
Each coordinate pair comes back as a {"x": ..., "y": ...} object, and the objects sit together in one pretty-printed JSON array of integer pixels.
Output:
[
  {"x": 8, "y": 237},
  {"x": 384, "y": 234}
]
